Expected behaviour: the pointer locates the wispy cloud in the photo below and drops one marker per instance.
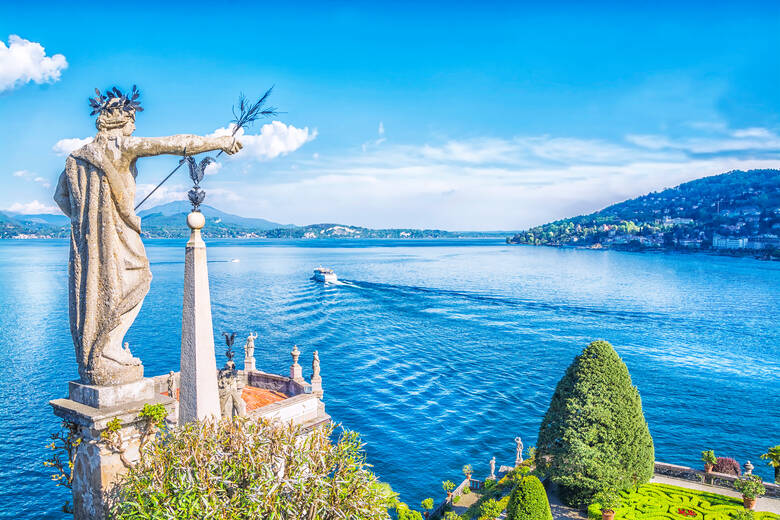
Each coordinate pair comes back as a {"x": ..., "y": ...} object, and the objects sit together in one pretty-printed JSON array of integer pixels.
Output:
[
  {"x": 23, "y": 61},
  {"x": 719, "y": 140},
  {"x": 66, "y": 146},
  {"x": 32, "y": 177},
  {"x": 489, "y": 183},
  {"x": 32, "y": 208}
]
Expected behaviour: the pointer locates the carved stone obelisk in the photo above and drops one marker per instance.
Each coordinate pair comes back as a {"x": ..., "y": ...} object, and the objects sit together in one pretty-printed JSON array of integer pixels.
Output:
[{"x": 198, "y": 391}]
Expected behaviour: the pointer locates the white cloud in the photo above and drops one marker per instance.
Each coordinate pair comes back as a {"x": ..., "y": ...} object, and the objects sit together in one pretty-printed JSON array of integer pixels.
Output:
[
  {"x": 33, "y": 207},
  {"x": 275, "y": 139},
  {"x": 43, "y": 182},
  {"x": 719, "y": 140},
  {"x": 493, "y": 183},
  {"x": 66, "y": 146},
  {"x": 213, "y": 168},
  {"x": 23, "y": 61},
  {"x": 381, "y": 129},
  {"x": 32, "y": 176}
]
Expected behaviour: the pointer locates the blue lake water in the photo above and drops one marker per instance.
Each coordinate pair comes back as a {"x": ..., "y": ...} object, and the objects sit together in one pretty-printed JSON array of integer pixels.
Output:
[{"x": 438, "y": 352}]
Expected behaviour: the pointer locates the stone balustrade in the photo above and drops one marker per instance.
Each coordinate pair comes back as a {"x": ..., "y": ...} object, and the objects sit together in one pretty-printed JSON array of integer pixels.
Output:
[{"x": 714, "y": 479}]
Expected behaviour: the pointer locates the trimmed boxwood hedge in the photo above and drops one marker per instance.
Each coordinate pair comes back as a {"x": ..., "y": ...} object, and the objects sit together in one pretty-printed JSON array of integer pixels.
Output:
[
  {"x": 528, "y": 501},
  {"x": 664, "y": 502}
]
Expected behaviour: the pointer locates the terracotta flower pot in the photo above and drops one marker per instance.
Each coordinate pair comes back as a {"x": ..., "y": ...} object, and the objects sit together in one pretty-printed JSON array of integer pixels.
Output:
[
  {"x": 607, "y": 514},
  {"x": 449, "y": 496},
  {"x": 707, "y": 467},
  {"x": 750, "y": 503}
]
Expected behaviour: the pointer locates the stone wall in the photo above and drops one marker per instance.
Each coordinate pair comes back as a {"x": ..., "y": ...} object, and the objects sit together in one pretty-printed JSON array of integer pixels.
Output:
[
  {"x": 276, "y": 383},
  {"x": 714, "y": 479}
]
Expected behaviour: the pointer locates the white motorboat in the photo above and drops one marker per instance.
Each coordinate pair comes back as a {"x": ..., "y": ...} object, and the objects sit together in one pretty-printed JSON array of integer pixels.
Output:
[{"x": 325, "y": 275}]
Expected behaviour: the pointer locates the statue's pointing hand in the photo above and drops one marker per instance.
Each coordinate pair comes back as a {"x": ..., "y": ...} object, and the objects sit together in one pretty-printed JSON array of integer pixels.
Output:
[{"x": 232, "y": 145}]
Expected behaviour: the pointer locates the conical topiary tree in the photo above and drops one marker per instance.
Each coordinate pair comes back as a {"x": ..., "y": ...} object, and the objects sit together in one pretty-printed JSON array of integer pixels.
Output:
[
  {"x": 594, "y": 435},
  {"x": 528, "y": 501}
]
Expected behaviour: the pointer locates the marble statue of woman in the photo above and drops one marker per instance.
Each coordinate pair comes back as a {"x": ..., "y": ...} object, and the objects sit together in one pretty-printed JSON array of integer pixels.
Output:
[{"x": 109, "y": 273}]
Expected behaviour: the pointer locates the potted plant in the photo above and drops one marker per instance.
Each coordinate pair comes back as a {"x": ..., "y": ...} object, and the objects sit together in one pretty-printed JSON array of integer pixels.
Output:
[
  {"x": 490, "y": 509},
  {"x": 427, "y": 505},
  {"x": 608, "y": 500},
  {"x": 773, "y": 455},
  {"x": 751, "y": 487},
  {"x": 448, "y": 486},
  {"x": 468, "y": 471},
  {"x": 708, "y": 456}
]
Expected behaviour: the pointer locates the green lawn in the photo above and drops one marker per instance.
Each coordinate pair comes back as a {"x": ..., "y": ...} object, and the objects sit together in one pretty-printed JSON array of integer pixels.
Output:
[{"x": 664, "y": 502}]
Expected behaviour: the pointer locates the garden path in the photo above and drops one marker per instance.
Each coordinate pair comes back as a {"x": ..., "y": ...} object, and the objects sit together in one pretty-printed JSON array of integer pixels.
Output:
[
  {"x": 771, "y": 505},
  {"x": 561, "y": 511}
]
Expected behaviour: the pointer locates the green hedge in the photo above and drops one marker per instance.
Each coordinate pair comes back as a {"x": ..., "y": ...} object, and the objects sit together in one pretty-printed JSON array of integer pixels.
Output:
[
  {"x": 528, "y": 501},
  {"x": 663, "y": 502}
]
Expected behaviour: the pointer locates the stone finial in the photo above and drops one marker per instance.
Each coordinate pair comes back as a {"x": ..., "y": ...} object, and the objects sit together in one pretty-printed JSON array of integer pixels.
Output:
[
  {"x": 316, "y": 379},
  {"x": 198, "y": 390},
  {"x": 748, "y": 468},
  {"x": 296, "y": 371},
  {"x": 519, "y": 452}
]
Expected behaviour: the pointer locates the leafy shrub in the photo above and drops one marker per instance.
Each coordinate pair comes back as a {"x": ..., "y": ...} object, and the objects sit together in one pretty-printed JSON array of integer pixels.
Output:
[
  {"x": 743, "y": 514},
  {"x": 490, "y": 509},
  {"x": 608, "y": 500},
  {"x": 468, "y": 470},
  {"x": 528, "y": 501},
  {"x": 448, "y": 485},
  {"x": 594, "y": 433},
  {"x": 427, "y": 504},
  {"x": 242, "y": 468},
  {"x": 728, "y": 466},
  {"x": 466, "y": 490},
  {"x": 456, "y": 499},
  {"x": 403, "y": 512},
  {"x": 489, "y": 484},
  {"x": 751, "y": 486},
  {"x": 708, "y": 457}
]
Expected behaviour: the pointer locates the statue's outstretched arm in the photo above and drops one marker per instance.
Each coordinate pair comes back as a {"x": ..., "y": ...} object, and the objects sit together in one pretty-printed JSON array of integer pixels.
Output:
[{"x": 177, "y": 144}]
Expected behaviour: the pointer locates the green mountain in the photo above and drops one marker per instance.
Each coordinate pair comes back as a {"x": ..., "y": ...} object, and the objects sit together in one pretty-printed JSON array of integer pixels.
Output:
[
  {"x": 168, "y": 221},
  {"x": 735, "y": 212}
]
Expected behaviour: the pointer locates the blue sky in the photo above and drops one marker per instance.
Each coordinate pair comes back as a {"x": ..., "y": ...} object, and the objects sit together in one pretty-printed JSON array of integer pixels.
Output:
[{"x": 450, "y": 115}]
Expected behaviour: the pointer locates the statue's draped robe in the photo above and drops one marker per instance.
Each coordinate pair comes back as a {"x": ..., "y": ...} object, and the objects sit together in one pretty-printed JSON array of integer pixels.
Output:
[{"x": 109, "y": 271}]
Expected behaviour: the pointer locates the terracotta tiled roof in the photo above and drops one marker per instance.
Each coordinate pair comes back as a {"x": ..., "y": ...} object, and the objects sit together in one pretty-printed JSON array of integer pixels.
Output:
[
  {"x": 258, "y": 397},
  {"x": 253, "y": 397}
]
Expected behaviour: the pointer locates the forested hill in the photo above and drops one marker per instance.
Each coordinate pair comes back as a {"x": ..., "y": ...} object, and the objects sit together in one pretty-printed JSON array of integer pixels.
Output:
[{"x": 738, "y": 210}]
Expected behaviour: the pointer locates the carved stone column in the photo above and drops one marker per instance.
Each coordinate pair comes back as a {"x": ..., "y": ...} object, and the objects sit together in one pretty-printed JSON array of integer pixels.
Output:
[
  {"x": 198, "y": 391},
  {"x": 98, "y": 464}
]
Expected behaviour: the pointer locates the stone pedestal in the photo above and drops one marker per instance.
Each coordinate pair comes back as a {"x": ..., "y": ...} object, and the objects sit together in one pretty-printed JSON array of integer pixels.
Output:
[
  {"x": 97, "y": 466},
  {"x": 198, "y": 391},
  {"x": 249, "y": 364}
]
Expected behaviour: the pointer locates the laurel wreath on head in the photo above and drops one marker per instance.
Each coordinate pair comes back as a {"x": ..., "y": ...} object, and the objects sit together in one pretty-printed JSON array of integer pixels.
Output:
[{"x": 114, "y": 99}]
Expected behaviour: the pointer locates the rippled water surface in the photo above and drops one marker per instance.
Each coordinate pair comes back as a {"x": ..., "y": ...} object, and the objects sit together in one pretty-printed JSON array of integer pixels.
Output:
[{"x": 438, "y": 352}]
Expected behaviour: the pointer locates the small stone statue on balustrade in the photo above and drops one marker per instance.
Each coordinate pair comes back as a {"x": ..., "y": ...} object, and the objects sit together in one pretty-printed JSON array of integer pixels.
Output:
[
  {"x": 249, "y": 352},
  {"x": 492, "y": 475},
  {"x": 519, "y": 453}
]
